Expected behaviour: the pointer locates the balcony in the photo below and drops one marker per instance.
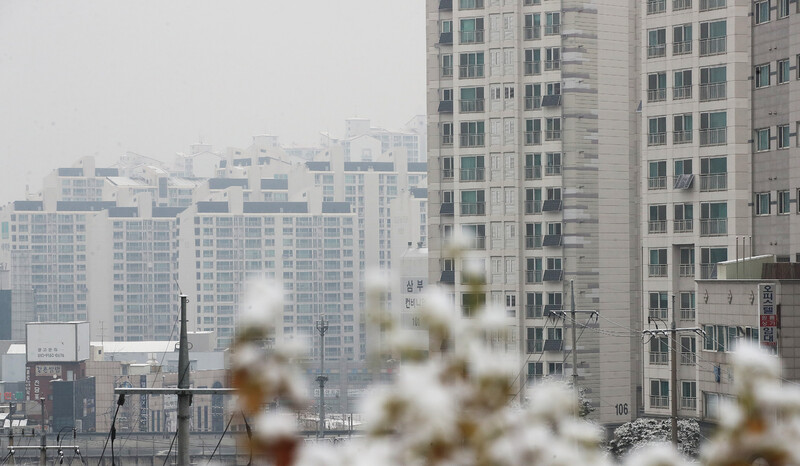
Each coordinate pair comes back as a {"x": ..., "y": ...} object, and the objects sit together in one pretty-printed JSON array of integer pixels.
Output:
[
  {"x": 533, "y": 138},
  {"x": 688, "y": 359},
  {"x": 656, "y": 139},
  {"x": 533, "y": 311},
  {"x": 713, "y": 136},
  {"x": 681, "y": 137},
  {"x": 534, "y": 346},
  {"x": 533, "y": 68},
  {"x": 656, "y": 51},
  {"x": 713, "y": 91},
  {"x": 688, "y": 402},
  {"x": 533, "y": 102},
  {"x": 447, "y": 174},
  {"x": 682, "y": 48},
  {"x": 472, "y": 140},
  {"x": 682, "y": 226},
  {"x": 657, "y": 270},
  {"x": 713, "y": 226},
  {"x": 470, "y": 71},
  {"x": 657, "y": 226},
  {"x": 471, "y": 37},
  {"x": 658, "y": 314},
  {"x": 533, "y": 276},
  {"x": 711, "y": 4},
  {"x": 656, "y": 95},
  {"x": 713, "y": 46},
  {"x": 657, "y": 182},
  {"x": 714, "y": 182},
  {"x": 552, "y": 65},
  {"x": 533, "y": 242},
  {"x": 657, "y": 6},
  {"x": 533, "y": 173},
  {"x": 552, "y": 170},
  {"x": 552, "y": 135},
  {"x": 473, "y": 208},
  {"x": 472, "y": 174},
  {"x": 659, "y": 401},
  {"x": 532, "y": 33},
  {"x": 659, "y": 358},
  {"x": 686, "y": 270},
  {"x": 533, "y": 207},
  {"x": 688, "y": 314},
  {"x": 708, "y": 271},
  {"x": 681, "y": 5},
  {"x": 552, "y": 29},
  {"x": 681, "y": 92},
  {"x": 471, "y": 106}
]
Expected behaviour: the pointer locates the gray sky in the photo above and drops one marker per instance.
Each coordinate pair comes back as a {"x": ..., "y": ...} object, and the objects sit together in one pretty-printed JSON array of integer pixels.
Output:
[{"x": 84, "y": 77}]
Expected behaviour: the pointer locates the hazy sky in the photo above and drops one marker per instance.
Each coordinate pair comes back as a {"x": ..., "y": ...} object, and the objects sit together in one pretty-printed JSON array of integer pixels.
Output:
[{"x": 83, "y": 77}]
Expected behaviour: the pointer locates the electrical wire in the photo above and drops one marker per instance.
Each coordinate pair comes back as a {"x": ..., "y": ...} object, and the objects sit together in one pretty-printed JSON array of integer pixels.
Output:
[
  {"x": 220, "y": 439},
  {"x": 170, "y": 447},
  {"x": 113, "y": 431}
]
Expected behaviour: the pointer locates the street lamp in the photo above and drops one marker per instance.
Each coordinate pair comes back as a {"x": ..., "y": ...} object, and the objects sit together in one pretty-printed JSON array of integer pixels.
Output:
[{"x": 322, "y": 327}]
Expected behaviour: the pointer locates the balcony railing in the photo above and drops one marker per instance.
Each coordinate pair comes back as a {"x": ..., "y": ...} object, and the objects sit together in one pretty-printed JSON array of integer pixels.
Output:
[
  {"x": 473, "y": 208},
  {"x": 552, "y": 65},
  {"x": 447, "y": 71},
  {"x": 658, "y": 313},
  {"x": 659, "y": 401},
  {"x": 708, "y": 271},
  {"x": 472, "y": 140},
  {"x": 687, "y": 314},
  {"x": 552, "y": 169},
  {"x": 472, "y": 174},
  {"x": 682, "y": 48},
  {"x": 656, "y": 51},
  {"x": 657, "y": 182},
  {"x": 533, "y": 311},
  {"x": 657, "y": 226},
  {"x": 533, "y": 207},
  {"x": 471, "y": 106},
  {"x": 713, "y": 91},
  {"x": 534, "y": 346},
  {"x": 533, "y": 102},
  {"x": 711, "y": 4},
  {"x": 533, "y": 242},
  {"x": 657, "y": 6},
  {"x": 681, "y": 4},
  {"x": 714, "y": 182},
  {"x": 552, "y": 135},
  {"x": 657, "y": 270},
  {"x": 712, "y": 46},
  {"x": 713, "y": 136},
  {"x": 533, "y": 138},
  {"x": 681, "y": 92},
  {"x": 447, "y": 174},
  {"x": 659, "y": 358},
  {"x": 683, "y": 226},
  {"x": 478, "y": 242},
  {"x": 533, "y": 276},
  {"x": 532, "y": 33},
  {"x": 713, "y": 226},
  {"x": 686, "y": 270},
  {"x": 472, "y": 37},
  {"x": 533, "y": 173},
  {"x": 688, "y": 402},
  {"x": 552, "y": 29},
  {"x": 656, "y": 139},
  {"x": 688, "y": 359},
  {"x": 681, "y": 137},
  {"x": 447, "y": 139},
  {"x": 656, "y": 95},
  {"x": 470, "y": 71},
  {"x": 533, "y": 68}
]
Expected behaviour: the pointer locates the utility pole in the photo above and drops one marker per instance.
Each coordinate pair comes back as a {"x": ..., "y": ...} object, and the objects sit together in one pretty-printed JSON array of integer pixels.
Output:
[
  {"x": 43, "y": 450},
  {"x": 574, "y": 337},
  {"x": 322, "y": 327}
]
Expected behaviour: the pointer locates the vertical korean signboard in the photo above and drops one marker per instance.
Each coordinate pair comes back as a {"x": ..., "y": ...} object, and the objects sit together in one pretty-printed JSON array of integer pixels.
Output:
[{"x": 767, "y": 317}]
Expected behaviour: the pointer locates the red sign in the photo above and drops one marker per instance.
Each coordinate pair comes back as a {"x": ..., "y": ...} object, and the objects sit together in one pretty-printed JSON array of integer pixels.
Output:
[{"x": 769, "y": 321}]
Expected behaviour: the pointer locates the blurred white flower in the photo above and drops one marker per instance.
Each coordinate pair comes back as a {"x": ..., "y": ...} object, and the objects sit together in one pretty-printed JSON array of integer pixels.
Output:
[{"x": 262, "y": 306}]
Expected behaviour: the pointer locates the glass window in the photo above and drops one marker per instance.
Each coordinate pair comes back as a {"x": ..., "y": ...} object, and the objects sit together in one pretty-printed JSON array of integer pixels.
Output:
[
  {"x": 762, "y": 75},
  {"x": 762, "y": 12},
  {"x": 783, "y": 71},
  {"x": 783, "y": 202},
  {"x": 762, "y": 139},
  {"x": 762, "y": 203},
  {"x": 783, "y": 136}
]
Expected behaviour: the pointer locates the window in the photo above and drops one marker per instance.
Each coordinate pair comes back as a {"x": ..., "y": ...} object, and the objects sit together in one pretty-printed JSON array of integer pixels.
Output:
[
  {"x": 682, "y": 85},
  {"x": 658, "y": 304},
  {"x": 472, "y": 168},
  {"x": 682, "y": 130},
  {"x": 684, "y": 214},
  {"x": 762, "y": 139},
  {"x": 447, "y": 168},
  {"x": 761, "y": 12},
  {"x": 657, "y": 175},
  {"x": 473, "y": 202},
  {"x": 552, "y": 58},
  {"x": 711, "y": 4},
  {"x": 687, "y": 298},
  {"x": 713, "y": 218},
  {"x": 553, "y": 88},
  {"x": 762, "y": 75},
  {"x": 783, "y": 8},
  {"x": 470, "y": 4},
  {"x": 656, "y": 6},
  {"x": 532, "y": 29},
  {"x": 712, "y": 37},
  {"x": 471, "y": 99},
  {"x": 553, "y": 129},
  {"x": 447, "y": 134},
  {"x": 784, "y": 71},
  {"x": 659, "y": 350},
  {"x": 712, "y": 83},
  {"x": 552, "y": 24},
  {"x": 656, "y": 87},
  {"x": 533, "y": 166},
  {"x": 686, "y": 264},
  {"x": 713, "y": 174},
  {"x": 533, "y": 62},
  {"x": 533, "y": 96},
  {"x": 553, "y": 166},
  {"x": 447, "y": 66},
  {"x": 783, "y": 202},
  {"x": 658, "y": 261},
  {"x": 657, "y": 219},
  {"x": 682, "y": 39},
  {"x": 709, "y": 257},
  {"x": 713, "y": 128},
  {"x": 472, "y": 134},
  {"x": 656, "y": 43},
  {"x": 472, "y": 31},
  {"x": 657, "y": 131},
  {"x": 688, "y": 394},
  {"x": 533, "y": 131},
  {"x": 783, "y": 136},
  {"x": 659, "y": 393},
  {"x": 762, "y": 203},
  {"x": 470, "y": 65}
]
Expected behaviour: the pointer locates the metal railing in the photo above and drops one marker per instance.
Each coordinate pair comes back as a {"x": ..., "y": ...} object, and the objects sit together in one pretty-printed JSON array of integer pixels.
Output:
[
  {"x": 657, "y": 182},
  {"x": 713, "y": 91},
  {"x": 551, "y": 65},
  {"x": 533, "y": 242},
  {"x": 656, "y": 51},
  {"x": 681, "y": 92},
  {"x": 656, "y": 95},
  {"x": 534, "y": 346},
  {"x": 657, "y": 6},
  {"x": 471, "y": 105},
  {"x": 533, "y": 276},
  {"x": 447, "y": 174},
  {"x": 552, "y": 135},
  {"x": 659, "y": 401},
  {"x": 533, "y": 311},
  {"x": 533, "y": 138},
  {"x": 657, "y": 270},
  {"x": 533, "y": 102},
  {"x": 656, "y": 139},
  {"x": 688, "y": 359},
  {"x": 478, "y": 242},
  {"x": 688, "y": 402},
  {"x": 681, "y": 137},
  {"x": 657, "y": 226},
  {"x": 472, "y": 174},
  {"x": 472, "y": 140},
  {"x": 713, "y": 226},
  {"x": 683, "y": 226},
  {"x": 658, "y": 313},
  {"x": 714, "y": 182},
  {"x": 552, "y": 29},
  {"x": 688, "y": 314},
  {"x": 447, "y": 139},
  {"x": 711, "y": 4},
  {"x": 532, "y": 33},
  {"x": 552, "y": 169},
  {"x": 713, "y": 136},
  {"x": 447, "y": 71},
  {"x": 470, "y": 71},
  {"x": 473, "y": 208},
  {"x": 533, "y": 207},
  {"x": 533, "y": 68},
  {"x": 681, "y": 4},
  {"x": 471, "y": 37},
  {"x": 659, "y": 357},
  {"x": 713, "y": 46},
  {"x": 533, "y": 173},
  {"x": 686, "y": 270},
  {"x": 708, "y": 271},
  {"x": 682, "y": 48}
]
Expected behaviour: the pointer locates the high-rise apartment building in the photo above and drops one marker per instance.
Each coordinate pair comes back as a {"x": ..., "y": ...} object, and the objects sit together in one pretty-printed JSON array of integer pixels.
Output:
[{"x": 533, "y": 152}]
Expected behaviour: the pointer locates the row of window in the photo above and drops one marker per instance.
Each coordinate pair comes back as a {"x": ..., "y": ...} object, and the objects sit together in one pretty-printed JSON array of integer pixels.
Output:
[
  {"x": 473, "y": 133},
  {"x": 713, "y": 129},
  {"x": 762, "y": 10},
  {"x": 473, "y": 168},
  {"x": 713, "y": 174},
  {"x": 660, "y": 394},
  {"x": 713, "y": 218},
  {"x": 713, "y": 39},
  {"x": 763, "y": 137},
  {"x": 764, "y": 201},
  {"x": 502, "y": 97},
  {"x": 658, "y": 267},
  {"x": 472, "y": 30},
  {"x": 713, "y": 84},
  {"x": 660, "y": 6},
  {"x": 762, "y": 73},
  {"x": 502, "y": 62}
]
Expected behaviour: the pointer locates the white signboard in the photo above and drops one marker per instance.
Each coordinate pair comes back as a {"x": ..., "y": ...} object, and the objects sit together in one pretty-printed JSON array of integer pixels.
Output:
[
  {"x": 767, "y": 317},
  {"x": 57, "y": 342},
  {"x": 413, "y": 298}
]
